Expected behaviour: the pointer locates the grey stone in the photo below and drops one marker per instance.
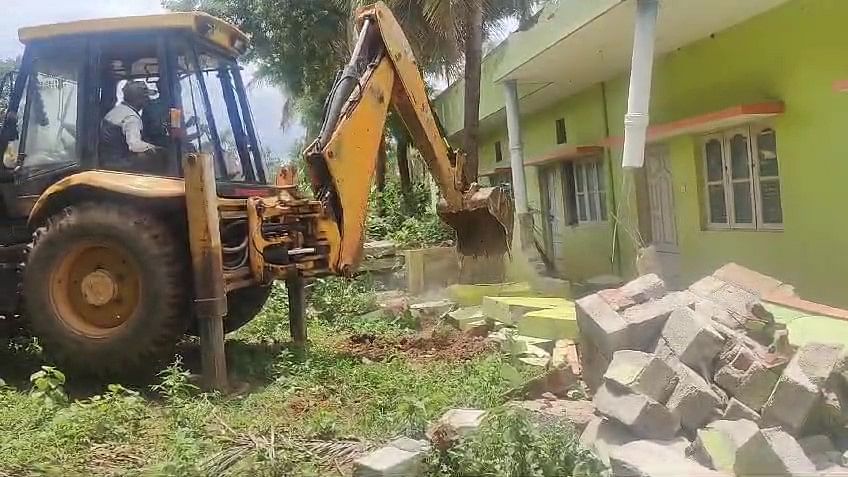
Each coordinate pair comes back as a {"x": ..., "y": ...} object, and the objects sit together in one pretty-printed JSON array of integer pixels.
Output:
[
  {"x": 691, "y": 337},
  {"x": 642, "y": 415},
  {"x": 716, "y": 445},
  {"x": 799, "y": 388},
  {"x": 389, "y": 461},
  {"x": 693, "y": 400},
  {"x": 707, "y": 286},
  {"x": 745, "y": 377},
  {"x": 462, "y": 421},
  {"x": 410, "y": 445},
  {"x": 821, "y": 451},
  {"x": 602, "y": 434},
  {"x": 652, "y": 459},
  {"x": 773, "y": 452},
  {"x": 378, "y": 249},
  {"x": 647, "y": 287},
  {"x": 643, "y": 373},
  {"x": 646, "y": 321},
  {"x": 601, "y": 325},
  {"x": 736, "y": 410}
]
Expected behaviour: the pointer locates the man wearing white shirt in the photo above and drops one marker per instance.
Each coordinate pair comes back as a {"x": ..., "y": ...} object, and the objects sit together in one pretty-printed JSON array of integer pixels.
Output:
[{"x": 121, "y": 146}]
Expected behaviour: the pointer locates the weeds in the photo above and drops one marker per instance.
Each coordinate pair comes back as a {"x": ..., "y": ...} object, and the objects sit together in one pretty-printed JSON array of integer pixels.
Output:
[
  {"x": 48, "y": 387},
  {"x": 175, "y": 385}
]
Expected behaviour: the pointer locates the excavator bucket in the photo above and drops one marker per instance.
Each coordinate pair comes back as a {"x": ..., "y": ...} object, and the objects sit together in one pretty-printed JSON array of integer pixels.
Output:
[{"x": 484, "y": 225}]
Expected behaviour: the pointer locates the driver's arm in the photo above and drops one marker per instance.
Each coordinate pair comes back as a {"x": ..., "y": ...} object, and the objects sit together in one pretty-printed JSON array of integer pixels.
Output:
[{"x": 131, "y": 127}]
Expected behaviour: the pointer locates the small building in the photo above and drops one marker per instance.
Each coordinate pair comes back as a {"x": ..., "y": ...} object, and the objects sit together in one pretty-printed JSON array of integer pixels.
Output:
[{"x": 747, "y": 148}]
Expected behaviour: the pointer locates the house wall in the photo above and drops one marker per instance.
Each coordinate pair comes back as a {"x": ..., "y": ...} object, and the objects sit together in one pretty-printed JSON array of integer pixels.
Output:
[{"x": 793, "y": 53}]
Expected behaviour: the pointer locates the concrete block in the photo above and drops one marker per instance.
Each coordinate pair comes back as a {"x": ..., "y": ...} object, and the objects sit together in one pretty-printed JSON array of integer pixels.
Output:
[
  {"x": 691, "y": 337},
  {"x": 510, "y": 310},
  {"x": 472, "y": 295},
  {"x": 736, "y": 299},
  {"x": 646, "y": 321},
  {"x": 748, "y": 279},
  {"x": 616, "y": 299},
  {"x": 390, "y": 461},
  {"x": 431, "y": 309},
  {"x": 719, "y": 314},
  {"x": 736, "y": 410},
  {"x": 553, "y": 323},
  {"x": 601, "y": 325},
  {"x": 645, "y": 288},
  {"x": 773, "y": 452},
  {"x": 642, "y": 415},
  {"x": 410, "y": 445},
  {"x": 379, "y": 249},
  {"x": 821, "y": 451},
  {"x": 643, "y": 373},
  {"x": 652, "y": 459},
  {"x": 602, "y": 434},
  {"x": 799, "y": 388},
  {"x": 716, "y": 445},
  {"x": 462, "y": 317},
  {"x": 431, "y": 268},
  {"x": 707, "y": 286},
  {"x": 693, "y": 400},
  {"x": 515, "y": 344},
  {"x": 745, "y": 377},
  {"x": 462, "y": 421},
  {"x": 594, "y": 364},
  {"x": 565, "y": 354}
]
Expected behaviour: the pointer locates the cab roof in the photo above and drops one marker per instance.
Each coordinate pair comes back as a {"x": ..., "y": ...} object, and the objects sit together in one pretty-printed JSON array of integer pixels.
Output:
[{"x": 201, "y": 24}]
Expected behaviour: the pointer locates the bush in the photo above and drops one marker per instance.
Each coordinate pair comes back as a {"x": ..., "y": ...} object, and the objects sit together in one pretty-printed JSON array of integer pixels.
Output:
[
  {"x": 408, "y": 223},
  {"x": 337, "y": 300},
  {"x": 426, "y": 231}
]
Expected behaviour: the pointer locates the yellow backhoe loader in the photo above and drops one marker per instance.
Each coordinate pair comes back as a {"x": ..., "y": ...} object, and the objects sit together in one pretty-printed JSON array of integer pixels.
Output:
[{"x": 109, "y": 262}]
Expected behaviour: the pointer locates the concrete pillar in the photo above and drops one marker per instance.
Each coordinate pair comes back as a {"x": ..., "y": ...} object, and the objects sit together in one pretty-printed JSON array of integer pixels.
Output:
[
  {"x": 516, "y": 158},
  {"x": 639, "y": 98}
]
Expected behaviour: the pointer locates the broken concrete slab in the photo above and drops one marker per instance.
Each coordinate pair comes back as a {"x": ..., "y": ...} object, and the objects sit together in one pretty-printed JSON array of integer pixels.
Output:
[
  {"x": 462, "y": 317},
  {"x": 553, "y": 323},
  {"x": 642, "y": 415},
  {"x": 601, "y": 325},
  {"x": 431, "y": 309},
  {"x": 462, "y": 421},
  {"x": 646, "y": 321},
  {"x": 821, "y": 451},
  {"x": 379, "y": 249},
  {"x": 693, "y": 400},
  {"x": 616, "y": 299},
  {"x": 719, "y": 315},
  {"x": 748, "y": 279},
  {"x": 692, "y": 339},
  {"x": 716, "y": 445},
  {"x": 390, "y": 461},
  {"x": 602, "y": 434},
  {"x": 472, "y": 295},
  {"x": 706, "y": 286},
  {"x": 799, "y": 388},
  {"x": 652, "y": 459},
  {"x": 410, "y": 445},
  {"x": 736, "y": 410},
  {"x": 643, "y": 373},
  {"x": 510, "y": 310},
  {"x": 644, "y": 288},
  {"x": 516, "y": 344},
  {"x": 773, "y": 451}
]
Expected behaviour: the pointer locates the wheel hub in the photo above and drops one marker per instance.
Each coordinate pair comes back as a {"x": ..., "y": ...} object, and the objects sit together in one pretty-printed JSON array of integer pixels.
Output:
[{"x": 99, "y": 287}]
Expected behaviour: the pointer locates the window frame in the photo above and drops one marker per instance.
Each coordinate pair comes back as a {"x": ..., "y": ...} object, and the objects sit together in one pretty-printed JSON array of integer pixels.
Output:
[
  {"x": 564, "y": 139},
  {"x": 498, "y": 152},
  {"x": 751, "y": 133},
  {"x": 581, "y": 169}
]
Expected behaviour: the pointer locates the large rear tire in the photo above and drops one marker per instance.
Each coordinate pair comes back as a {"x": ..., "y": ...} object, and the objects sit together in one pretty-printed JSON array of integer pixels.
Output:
[{"x": 106, "y": 289}]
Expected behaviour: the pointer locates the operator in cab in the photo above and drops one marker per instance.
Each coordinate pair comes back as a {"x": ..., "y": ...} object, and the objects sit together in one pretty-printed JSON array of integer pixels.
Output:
[{"x": 121, "y": 145}]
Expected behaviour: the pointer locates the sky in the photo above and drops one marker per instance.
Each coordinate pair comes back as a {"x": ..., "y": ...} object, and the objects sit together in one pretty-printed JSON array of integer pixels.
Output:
[{"x": 266, "y": 102}]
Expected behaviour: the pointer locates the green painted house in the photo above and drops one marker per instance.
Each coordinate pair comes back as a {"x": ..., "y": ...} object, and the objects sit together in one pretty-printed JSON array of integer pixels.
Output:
[{"x": 747, "y": 150}]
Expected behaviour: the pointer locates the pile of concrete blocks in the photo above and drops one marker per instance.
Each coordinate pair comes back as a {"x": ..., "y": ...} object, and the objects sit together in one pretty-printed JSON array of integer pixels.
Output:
[
  {"x": 384, "y": 262},
  {"x": 703, "y": 382}
]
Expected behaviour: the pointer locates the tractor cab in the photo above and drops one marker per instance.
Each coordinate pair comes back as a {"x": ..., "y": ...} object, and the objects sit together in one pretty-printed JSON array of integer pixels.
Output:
[{"x": 73, "y": 74}]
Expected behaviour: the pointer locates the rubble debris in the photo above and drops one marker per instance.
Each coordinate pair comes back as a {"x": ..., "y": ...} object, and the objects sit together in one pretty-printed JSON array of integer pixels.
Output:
[
  {"x": 693, "y": 400},
  {"x": 553, "y": 323},
  {"x": 736, "y": 410},
  {"x": 431, "y": 309},
  {"x": 717, "y": 444},
  {"x": 516, "y": 344},
  {"x": 463, "y": 317},
  {"x": 600, "y": 325},
  {"x": 639, "y": 372},
  {"x": 821, "y": 451},
  {"x": 799, "y": 388},
  {"x": 401, "y": 457},
  {"x": 462, "y": 421},
  {"x": 644, "y": 416},
  {"x": 745, "y": 376},
  {"x": 646, "y": 320},
  {"x": 651, "y": 459},
  {"x": 546, "y": 412},
  {"x": 472, "y": 295},
  {"x": 601, "y": 434},
  {"x": 773, "y": 451},
  {"x": 644, "y": 288},
  {"x": 565, "y": 354},
  {"x": 692, "y": 339},
  {"x": 510, "y": 310}
]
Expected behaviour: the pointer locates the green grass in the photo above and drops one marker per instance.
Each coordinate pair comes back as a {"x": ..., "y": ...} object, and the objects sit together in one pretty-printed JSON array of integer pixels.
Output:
[{"x": 176, "y": 430}]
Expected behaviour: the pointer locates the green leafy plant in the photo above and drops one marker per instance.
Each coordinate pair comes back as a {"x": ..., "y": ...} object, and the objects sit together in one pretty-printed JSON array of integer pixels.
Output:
[
  {"x": 175, "y": 385},
  {"x": 338, "y": 299},
  {"x": 48, "y": 386},
  {"x": 426, "y": 231}
]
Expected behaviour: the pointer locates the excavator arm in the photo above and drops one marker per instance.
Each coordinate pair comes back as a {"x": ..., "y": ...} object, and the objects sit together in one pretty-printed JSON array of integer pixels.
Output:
[{"x": 383, "y": 73}]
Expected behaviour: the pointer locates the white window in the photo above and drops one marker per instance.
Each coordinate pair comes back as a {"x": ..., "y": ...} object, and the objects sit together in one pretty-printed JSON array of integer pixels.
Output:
[
  {"x": 590, "y": 204},
  {"x": 742, "y": 184}
]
